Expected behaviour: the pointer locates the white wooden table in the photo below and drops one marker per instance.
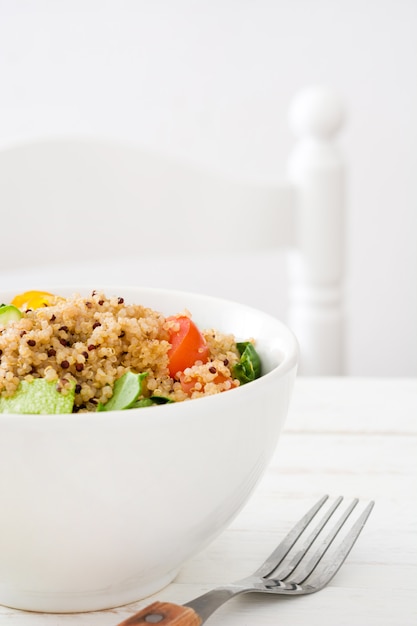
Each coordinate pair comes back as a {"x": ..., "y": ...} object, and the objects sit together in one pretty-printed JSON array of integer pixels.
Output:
[{"x": 355, "y": 437}]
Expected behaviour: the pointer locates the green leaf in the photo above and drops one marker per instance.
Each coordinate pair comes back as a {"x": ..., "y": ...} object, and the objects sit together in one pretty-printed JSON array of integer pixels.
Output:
[
  {"x": 249, "y": 366},
  {"x": 126, "y": 391},
  {"x": 139, "y": 404},
  {"x": 38, "y": 397},
  {"x": 161, "y": 400},
  {"x": 151, "y": 401}
]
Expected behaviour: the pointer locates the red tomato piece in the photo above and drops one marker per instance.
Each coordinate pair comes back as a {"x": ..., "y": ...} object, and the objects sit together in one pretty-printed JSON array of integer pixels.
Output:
[{"x": 187, "y": 345}]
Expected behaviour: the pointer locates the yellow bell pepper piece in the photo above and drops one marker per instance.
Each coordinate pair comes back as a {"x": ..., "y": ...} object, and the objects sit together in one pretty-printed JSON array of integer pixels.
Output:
[{"x": 33, "y": 299}]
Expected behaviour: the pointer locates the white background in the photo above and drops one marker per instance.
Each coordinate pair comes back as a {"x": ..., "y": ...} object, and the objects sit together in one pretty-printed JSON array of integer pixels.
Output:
[{"x": 212, "y": 81}]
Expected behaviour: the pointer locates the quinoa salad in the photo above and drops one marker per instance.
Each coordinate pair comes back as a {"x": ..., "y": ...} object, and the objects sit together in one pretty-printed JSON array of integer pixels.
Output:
[{"x": 99, "y": 353}]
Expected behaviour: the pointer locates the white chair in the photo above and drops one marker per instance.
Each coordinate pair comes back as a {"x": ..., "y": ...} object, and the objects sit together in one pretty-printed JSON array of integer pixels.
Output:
[{"x": 99, "y": 212}]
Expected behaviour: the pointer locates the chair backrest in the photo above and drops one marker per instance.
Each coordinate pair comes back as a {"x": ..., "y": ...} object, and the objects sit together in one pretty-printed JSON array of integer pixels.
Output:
[{"x": 98, "y": 211}]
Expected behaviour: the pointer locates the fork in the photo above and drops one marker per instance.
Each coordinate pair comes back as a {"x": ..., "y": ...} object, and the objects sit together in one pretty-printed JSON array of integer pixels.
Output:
[{"x": 299, "y": 565}]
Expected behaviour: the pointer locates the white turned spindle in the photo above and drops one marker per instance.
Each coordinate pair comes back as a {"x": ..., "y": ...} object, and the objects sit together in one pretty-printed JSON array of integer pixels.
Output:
[{"x": 316, "y": 172}]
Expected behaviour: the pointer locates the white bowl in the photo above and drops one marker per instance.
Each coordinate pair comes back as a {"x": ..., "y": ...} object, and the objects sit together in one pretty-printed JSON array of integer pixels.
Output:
[{"x": 103, "y": 509}]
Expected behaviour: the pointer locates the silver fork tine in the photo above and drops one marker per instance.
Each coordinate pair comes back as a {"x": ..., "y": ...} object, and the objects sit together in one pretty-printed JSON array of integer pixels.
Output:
[
  {"x": 288, "y": 568},
  {"x": 281, "y": 551},
  {"x": 326, "y": 573},
  {"x": 325, "y": 544}
]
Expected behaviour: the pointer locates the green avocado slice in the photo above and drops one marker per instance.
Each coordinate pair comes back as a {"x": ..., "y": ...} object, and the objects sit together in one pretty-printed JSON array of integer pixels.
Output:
[
  {"x": 38, "y": 397},
  {"x": 126, "y": 391}
]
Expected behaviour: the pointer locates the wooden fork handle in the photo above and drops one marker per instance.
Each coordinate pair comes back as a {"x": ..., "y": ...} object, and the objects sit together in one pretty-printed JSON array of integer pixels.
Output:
[{"x": 164, "y": 614}]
